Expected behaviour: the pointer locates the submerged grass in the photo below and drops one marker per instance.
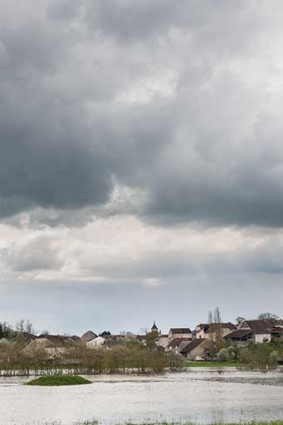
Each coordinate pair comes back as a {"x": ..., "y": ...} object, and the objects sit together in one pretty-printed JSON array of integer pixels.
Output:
[
  {"x": 58, "y": 380},
  {"x": 95, "y": 422}
]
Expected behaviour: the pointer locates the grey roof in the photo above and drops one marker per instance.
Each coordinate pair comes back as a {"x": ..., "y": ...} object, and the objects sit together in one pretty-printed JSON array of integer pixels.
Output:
[
  {"x": 240, "y": 333},
  {"x": 260, "y": 326},
  {"x": 176, "y": 342},
  {"x": 60, "y": 340},
  {"x": 88, "y": 336},
  {"x": 192, "y": 345},
  {"x": 180, "y": 330},
  {"x": 214, "y": 326}
]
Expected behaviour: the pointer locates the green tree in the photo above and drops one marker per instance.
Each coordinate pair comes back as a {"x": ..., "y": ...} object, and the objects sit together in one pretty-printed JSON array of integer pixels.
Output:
[{"x": 151, "y": 339}]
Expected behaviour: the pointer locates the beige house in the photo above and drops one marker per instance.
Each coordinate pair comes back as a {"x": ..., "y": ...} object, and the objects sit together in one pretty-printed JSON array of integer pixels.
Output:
[
  {"x": 213, "y": 331},
  {"x": 176, "y": 345},
  {"x": 162, "y": 341},
  {"x": 175, "y": 333},
  {"x": 51, "y": 346},
  {"x": 262, "y": 328},
  {"x": 199, "y": 349}
]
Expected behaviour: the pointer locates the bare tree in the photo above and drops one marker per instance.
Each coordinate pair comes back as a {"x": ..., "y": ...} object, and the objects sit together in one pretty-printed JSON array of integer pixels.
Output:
[
  {"x": 268, "y": 316},
  {"x": 20, "y": 326},
  {"x": 216, "y": 315}
]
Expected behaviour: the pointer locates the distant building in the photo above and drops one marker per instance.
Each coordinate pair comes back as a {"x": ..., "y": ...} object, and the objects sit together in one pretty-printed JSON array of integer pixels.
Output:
[
  {"x": 199, "y": 349},
  {"x": 262, "y": 328},
  {"x": 53, "y": 346},
  {"x": 96, "y": 342},
  {"x": 175, "y": 333},
  {"x": 277, "y": 332},
  {"x": 213, "y": 331},
  {"x": 176, "y": 345},
  {"x": 88, "y": 336},
  {"x": 141, "y": 339},
  {"x": 162, "y": 341},
  {"x": 109, "y": 341},
  {"x": 154, "y": 328},
  {"x": 240, "y": 337}
]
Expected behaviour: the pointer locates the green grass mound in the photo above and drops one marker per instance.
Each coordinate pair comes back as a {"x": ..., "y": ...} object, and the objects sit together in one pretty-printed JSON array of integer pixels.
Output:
[{"x": 57, "y": 380}]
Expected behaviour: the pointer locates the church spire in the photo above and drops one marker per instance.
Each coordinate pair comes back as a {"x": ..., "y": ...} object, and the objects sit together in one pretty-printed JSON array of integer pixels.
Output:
[{"x": 154, "y": 328}]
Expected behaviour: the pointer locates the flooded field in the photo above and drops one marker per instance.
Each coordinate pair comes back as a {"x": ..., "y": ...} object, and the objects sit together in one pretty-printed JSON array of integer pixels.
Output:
[{"x": 201, "y": 396}]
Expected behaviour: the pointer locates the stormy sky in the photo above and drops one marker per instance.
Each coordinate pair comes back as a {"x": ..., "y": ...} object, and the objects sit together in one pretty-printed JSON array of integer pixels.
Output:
[{"x": 141, "y": 162}]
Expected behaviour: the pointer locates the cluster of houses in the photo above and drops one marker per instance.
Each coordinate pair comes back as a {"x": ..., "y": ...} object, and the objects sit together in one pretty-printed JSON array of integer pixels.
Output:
[
  {"x": 203, "y": 340},
  {"x": 194, "y": 344}
]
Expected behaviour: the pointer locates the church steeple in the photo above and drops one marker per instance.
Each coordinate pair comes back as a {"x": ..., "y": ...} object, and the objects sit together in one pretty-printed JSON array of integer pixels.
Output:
[{"x": 154, "y": 328}]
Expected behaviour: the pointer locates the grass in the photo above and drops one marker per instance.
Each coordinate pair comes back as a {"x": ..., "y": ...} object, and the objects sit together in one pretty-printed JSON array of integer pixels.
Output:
[
  {"x": 191, "y": 423},
  {"x": 95, "y": 422},
  {"x": 214, "y": 364},
  {"x": 58, "y": 380}
]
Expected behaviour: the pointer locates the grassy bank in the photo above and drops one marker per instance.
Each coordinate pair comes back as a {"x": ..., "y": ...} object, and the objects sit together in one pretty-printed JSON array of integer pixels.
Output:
[
  {"x": 189, "y": 423},
  {"x": 215, "y": 364},
  {"x": 58, "y": 380}
]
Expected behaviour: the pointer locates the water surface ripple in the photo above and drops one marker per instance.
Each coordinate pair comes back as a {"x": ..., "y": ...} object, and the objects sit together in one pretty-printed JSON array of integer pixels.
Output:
[{"x": 201, "y": 396}]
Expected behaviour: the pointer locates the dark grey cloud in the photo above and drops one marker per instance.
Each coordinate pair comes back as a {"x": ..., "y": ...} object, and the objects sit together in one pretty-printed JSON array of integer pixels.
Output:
[
  {"x": 132, "y": 21},
  {"x": 209, "y": 150}
]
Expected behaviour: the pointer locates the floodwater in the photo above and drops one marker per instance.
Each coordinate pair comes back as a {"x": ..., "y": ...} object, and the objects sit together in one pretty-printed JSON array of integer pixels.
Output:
[{"x": 197, "y": 395}]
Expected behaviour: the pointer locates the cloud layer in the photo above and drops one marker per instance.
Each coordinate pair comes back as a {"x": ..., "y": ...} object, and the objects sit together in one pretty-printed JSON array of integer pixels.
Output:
[
  {"x": 180, "y": 100},
  {"x": 141, "y": 144}
]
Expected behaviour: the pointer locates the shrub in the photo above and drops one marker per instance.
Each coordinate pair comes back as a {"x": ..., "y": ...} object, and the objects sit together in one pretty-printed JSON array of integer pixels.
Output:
[
  {"x": 223, "y": 355},
  {"x": 273, "y": 358}
]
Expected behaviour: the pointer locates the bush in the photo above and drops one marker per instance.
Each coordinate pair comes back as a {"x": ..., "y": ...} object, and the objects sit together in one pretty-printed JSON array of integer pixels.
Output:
[
  {"x": 223, "y": 355},
  {"x": 273, "y": 358},
  {"x": 233, "y": 351}
]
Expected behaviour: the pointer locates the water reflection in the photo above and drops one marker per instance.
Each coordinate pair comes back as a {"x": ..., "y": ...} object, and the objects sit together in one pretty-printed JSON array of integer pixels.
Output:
[{"x": 201, "y": 396}]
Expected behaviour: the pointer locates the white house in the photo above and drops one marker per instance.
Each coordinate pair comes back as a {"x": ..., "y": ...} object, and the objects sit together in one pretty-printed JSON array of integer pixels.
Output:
[
  {"x": 95, "y": 343},
  {"x": 262, "y": 329}
]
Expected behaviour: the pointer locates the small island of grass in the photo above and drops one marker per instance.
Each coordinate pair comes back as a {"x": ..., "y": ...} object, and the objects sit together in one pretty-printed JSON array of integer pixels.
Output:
[{"x": 58, "y": 380}]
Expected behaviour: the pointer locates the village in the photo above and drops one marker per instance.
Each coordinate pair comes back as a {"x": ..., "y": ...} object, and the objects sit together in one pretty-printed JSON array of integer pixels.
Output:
[{"x": 204, "y": 343}]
